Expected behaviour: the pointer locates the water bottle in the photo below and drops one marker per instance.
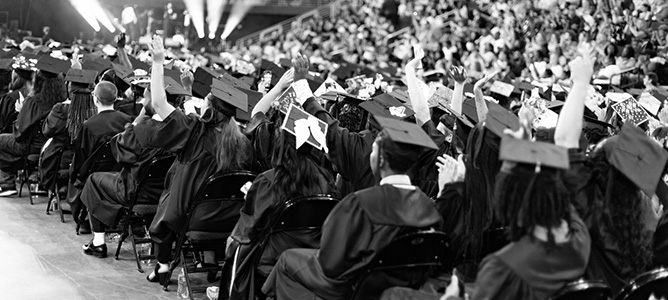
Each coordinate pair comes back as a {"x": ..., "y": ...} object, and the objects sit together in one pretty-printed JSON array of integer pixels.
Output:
[
  {"x": 182, "y": 290},
  {"x": 143, "y": 250}
]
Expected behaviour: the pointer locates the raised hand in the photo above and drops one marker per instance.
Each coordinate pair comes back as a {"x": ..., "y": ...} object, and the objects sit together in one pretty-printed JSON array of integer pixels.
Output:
[
  {"x": 418, "y": 55},
  {"x": 485, "y": 79},
  {"x": 187, "y": 78},
  {"x": 458, "y": 74},
  {"x": 450, "y": 170},
  {"x": 301, "y": 64},
  {"x": 287, "y": 79},
  {"x": 120, "y": 40},
  {"x": 157, "y": 50},
  {"x": 524, "y": 133},
  {"x": 582, "y": 68}
]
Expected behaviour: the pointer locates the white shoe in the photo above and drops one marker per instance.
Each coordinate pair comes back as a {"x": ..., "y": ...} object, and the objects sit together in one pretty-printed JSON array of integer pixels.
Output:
[
  {"x": 212, "y": 292},
  {"x": 7, "y": 193}
]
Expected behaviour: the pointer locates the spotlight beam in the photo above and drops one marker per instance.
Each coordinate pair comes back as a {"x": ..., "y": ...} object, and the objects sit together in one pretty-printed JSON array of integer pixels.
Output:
[
  {"x": 215, "y": 9},
  {"x": 82, "y": 7},
  {"x": 196, "y": 10},
  {"x": 239, "y": 11}
]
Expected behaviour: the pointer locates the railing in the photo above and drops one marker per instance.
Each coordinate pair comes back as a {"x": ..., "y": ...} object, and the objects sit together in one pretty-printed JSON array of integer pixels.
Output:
[{"x": 325, "y": 11}]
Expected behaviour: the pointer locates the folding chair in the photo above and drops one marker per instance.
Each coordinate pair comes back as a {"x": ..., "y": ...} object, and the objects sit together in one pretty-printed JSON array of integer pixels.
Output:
[
  {"x": 653, "y": 282},
  {"x": 222, "y": 194},
  {"x": 583, "y": 290},
  {"x": 101, "y": 160},
  {"x": 138, "y": 212},
  {"x": 303, "y": 214},
  {"x": 407, "y": 261},
  {"x": 30, "y": 164}
]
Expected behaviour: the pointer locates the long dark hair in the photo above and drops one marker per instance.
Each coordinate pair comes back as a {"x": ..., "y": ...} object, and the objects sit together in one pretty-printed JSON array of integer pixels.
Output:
[
  {"x": 482, "y": 165},
  {"x": 81, "y": 109},
  {"x": 230, "y": 146},
  {"x": 297, "y": 171},
  {"x": 624, "y": 218},
  {"x": 51, "y": 90},
  {"x": 524, "y": 199}
]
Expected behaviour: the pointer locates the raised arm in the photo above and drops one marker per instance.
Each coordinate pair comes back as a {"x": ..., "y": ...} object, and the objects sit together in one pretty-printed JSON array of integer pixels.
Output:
[
  {"x": 265, "y": 103},
  {"x": 418, "y": 100},
  {"x": 158, "y": 94},
  {"x": 481, "y": 104},
  {"x": 569, "y": 126},
  {"x": 120, "y": 51},
  {"x": 459, "y": 75}
]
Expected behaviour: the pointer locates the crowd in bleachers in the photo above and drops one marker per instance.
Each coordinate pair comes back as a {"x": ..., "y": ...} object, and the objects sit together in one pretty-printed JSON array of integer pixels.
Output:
[{"x": 399, "y": 150}]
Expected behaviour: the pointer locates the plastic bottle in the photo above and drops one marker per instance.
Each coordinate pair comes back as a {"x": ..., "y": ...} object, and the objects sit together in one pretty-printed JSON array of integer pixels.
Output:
[{"x": 182, "y": 290}]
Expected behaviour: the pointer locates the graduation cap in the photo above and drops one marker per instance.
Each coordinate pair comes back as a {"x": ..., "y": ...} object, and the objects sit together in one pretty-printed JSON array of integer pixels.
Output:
[
  {"x": 638, "y": 157},
  {"x": 285, "y": 63},
  {"x": 521, "y": 86},
  {"x": 401, "y": 95},
  {"x": 342, "y": 96},
  {"x": 499, "y": 118},
  {"x": 306, "y": 128},
  {"x": 405, "y": 133},
  {"x": 314, "y": 82},
  {"x": 203, "y": 78},
  {"x": 232, "y": 97},
  {"x": 99, "y": 64},
  {"x": 9, "y": 53},
  {"x": 253, "y": 98},
  {"x": 174, "y": 87},
  {"x": 534, "y": 153},
  {"x": 387, "y": 106},
  {"x": 270, "y": 66},
  {"x": 173, "y": 73},
  {"x": 51, "y": 66},
  {"x": 502, "y": 88},
  {"x": 469, "y": 110},
  {"x": 85, "y": 77},
  {"x": 122, "y": 72},
  {"x": 236, "y": 82}
]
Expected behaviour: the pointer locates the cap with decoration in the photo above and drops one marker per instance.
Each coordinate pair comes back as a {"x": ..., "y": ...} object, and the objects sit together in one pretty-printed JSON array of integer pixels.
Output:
[
  {"x": 387, "y": 106},
  {"x": 638, "y": 157},
  {"x": 405, "y": 133},
  {"x": 306, "y": 128},
  {"x": 6, "y": 63}
]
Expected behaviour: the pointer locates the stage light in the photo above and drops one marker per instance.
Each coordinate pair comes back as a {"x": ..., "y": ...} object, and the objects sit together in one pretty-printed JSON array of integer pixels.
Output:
[
  {"x": 82, "y": 7},
  {"x": 239, "y": 11},
  {"x": 100, "y": 15},
  {"x": 215, "y": 9},
  {"x": 196, "y": 10}
]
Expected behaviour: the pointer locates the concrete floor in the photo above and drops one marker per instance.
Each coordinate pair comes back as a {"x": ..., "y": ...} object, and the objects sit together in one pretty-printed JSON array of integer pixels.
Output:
[{"x": 41, "y": 258}]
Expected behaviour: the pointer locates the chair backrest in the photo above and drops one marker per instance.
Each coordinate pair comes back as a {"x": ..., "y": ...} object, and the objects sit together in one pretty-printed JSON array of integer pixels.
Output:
[
  {"x": 406, "y": 261},
  {"x": 304, "y": 213},
  {"x": 220, "y": 187},
  {"x": 101, "y": 160},
  {"x": 583, "y": 290},
  {"x": 651, "y": 282},
  {"x": 154, "y": 173}
]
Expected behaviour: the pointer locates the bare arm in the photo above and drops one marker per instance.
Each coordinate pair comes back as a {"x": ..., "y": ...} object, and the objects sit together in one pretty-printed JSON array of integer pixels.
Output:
[
  {"x": 481, "y": 104},
  {"x": 418, "y": 100},
  {"x": 158, "y": 94},
  {"x": 265, "y": 103},
  {"x": 569, "y": 126},
  {"x": 459, "y": 75}
]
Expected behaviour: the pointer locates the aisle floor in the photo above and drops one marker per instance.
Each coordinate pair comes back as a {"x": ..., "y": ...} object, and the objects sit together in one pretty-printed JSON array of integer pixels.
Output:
[{"x": 41, "y": 258}]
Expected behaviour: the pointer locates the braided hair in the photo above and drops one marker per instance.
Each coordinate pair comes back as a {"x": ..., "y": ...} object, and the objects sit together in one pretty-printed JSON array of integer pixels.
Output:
[{"x": 81, "y": 109}]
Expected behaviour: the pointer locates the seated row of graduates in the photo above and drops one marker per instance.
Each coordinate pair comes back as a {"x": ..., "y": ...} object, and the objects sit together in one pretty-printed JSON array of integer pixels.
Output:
[{"x": 551, "y": 215}]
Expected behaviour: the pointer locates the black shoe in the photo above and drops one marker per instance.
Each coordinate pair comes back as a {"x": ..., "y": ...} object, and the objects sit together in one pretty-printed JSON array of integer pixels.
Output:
[
  {"x": 97, "y": 251},
  {"x": 162, "y": 278}
]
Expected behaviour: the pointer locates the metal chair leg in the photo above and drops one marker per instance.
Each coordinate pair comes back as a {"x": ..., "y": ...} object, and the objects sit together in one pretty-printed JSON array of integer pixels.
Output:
[
  {"x": 120, "y": 242},
  {"x": 134, "y": 249},
  {"x": 60, "y": 207},
  {"x": 48, "y": 202}
]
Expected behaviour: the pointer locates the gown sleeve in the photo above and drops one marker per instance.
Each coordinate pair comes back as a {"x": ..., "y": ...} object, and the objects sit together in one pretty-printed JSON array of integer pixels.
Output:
[
  {"x": 345, "y": 237},
  {"x": 172, "y": 134},
  {"x": 449, "y": 206},
  {"x": 28, "y": 116},
  {"x": 56, "y": 121},
  {"x": 348, "y": 151},
  {"x": 259, "y": 200},
  {"x": 124, "y": 147},
  {"x": 496, "y": 281}
]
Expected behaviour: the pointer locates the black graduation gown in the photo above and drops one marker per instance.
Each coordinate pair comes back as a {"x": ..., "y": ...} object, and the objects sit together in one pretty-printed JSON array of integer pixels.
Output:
[
  {"x": 25, "y": 131},
  {"x": 348, "y": 151},
  {"x": 356, "y": 230},
  {"x": 95, "y": 132},
  {"x": 528, "y": 270},
  {"x": 8, "y": 112},
  {"x": 588, "y": 199},
  {"x": 258, "y": 131},
  {"x": 195, "y": 162},
  {"x": 259, "y": 211},
  {"x": 425, "y": 173},
  {"x": 55, "y": 128},
  {"x": 105, "y": 194}
]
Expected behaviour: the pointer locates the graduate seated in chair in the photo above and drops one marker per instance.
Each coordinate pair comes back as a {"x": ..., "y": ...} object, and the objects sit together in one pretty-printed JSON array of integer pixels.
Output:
[
  {"x": 49, "y": 89},
  {"x": 94, "y": 133},
  {"x": 204, "y": 145},
  {"x": 297, "y": 172},
  {"x": 105, "y": 194},
  {"x": 362, "y": 224}
]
